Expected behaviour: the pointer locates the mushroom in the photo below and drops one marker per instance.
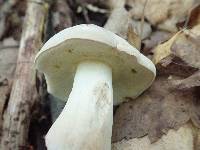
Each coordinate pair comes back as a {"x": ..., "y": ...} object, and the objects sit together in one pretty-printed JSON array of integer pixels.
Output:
[{"x": 89, "y": 66}]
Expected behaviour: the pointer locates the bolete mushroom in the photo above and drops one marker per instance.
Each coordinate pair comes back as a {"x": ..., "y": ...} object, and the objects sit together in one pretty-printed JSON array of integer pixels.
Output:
[{"x": 89, "y": 66}]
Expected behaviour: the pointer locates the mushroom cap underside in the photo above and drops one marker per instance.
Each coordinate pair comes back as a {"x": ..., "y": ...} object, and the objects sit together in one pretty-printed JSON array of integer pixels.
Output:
[{"x": 132, "y": 72}]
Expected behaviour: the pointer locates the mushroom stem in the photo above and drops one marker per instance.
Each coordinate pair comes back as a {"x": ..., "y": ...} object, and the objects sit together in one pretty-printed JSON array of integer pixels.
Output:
[{"x": 86, "y": 121}]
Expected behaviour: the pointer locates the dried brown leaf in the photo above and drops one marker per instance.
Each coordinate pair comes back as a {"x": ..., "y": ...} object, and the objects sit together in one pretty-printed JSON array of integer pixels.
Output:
[
  {"x": 155, "y": 39},
  {"x": 146, "y": 28},
  {"x": 165, "y": 14},
  {"x": 190, "y": 82},
  {"x": 164, "y": 50},
  {"x": 155, "y": 112},
  {"x": 118, "y": 27},
  {"x": 173, "y": 65},
  {"x": 194, "y": 16},
  {"x": 179, "y": 55},
  {"x": 133, "y": 38},
  {"x": 187, "y": 46}
]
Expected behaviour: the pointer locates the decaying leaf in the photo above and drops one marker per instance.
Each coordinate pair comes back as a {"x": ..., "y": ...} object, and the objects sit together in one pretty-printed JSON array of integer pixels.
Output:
[
  {"x": 197, "y": 139},
  {"x": 165, "y": 13},
  {"x": 187, "y": 46},
  {"x": 187, "y": 83},
  {"x": 113, "y": 24},
  {"x": 194, "y": 16},
  {"x": 155, "y": 39},
  {"x": 164, "y": 50},
  {"x": 174, "y": 66},
  {"x": 155, "y": 112},
  {"x": 182, "y": 139},
  {"x": 194, "y": 110},
  {"x": 133, "y": 38},
  {"x": 145, "y": 27},
  {"x": 180, "y": 55}
]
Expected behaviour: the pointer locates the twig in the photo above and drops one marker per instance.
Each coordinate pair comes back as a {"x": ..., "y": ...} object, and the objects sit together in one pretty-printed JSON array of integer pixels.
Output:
[
  {"x": 24, "y": 93},
  {"x": 62, "y": 15},
  {"x": 142, "y": 20},
  {"x": 5, "y": 10}
]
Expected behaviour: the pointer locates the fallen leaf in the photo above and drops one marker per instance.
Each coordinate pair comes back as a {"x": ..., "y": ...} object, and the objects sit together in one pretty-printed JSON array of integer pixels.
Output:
[
  {"x": 189, "y": 82},
  {"x": 194, "y": 110},
  {"x": 186, "y": 47},
  {"x": 173, "y": 65},
  {"x": 113, "y": 24},
  {"x": 164, "y": 14},
  {"x": 194, "y": 16},
  {"x": 164, "y": 50},
  {"x": 133, "y": 38},
  {"x": 155, "y": 39},
  {"x": 179, "y": 55},
  {"x": 155, "y": 112},
  {"x": 146, "y": 29},
  {"x": 183, "y": 138}
]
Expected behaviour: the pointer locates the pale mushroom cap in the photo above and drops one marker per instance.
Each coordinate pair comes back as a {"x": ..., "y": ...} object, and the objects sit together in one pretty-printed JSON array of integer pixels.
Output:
[{"x": 60, "y": 55}]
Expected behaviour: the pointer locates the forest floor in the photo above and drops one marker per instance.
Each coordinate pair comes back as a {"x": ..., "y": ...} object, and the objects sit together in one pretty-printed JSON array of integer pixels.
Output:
[{"x": 166, "y": 31}]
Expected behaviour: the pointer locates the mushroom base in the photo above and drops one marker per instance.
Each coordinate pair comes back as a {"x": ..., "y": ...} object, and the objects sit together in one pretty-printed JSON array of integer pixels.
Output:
[{"x": 86, "y": 121}]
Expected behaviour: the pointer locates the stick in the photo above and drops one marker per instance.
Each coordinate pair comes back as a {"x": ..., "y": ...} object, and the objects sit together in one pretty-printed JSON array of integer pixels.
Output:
[
  {"x": 24, "y": 93},
  {"x": 62, "y": 16},
  {"x": 5, "y": 10}
]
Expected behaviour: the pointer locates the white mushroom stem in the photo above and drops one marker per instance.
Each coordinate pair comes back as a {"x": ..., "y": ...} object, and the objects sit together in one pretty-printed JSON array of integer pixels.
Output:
[{"x": 86, "y": 121}]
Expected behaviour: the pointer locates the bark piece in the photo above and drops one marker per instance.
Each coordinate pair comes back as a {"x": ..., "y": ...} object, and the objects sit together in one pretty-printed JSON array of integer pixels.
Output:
[
  {"x": 24, "y": 93},
  {"x": 8, "y": 58}
]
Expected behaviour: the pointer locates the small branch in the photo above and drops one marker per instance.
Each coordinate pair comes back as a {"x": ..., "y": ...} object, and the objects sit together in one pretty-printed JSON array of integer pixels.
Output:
[
  {"x": 24, "y": 94},
  {"x": 142, "y": 20},
  {"x": 5, "y": 10},
  {"x": 61, "y": 16}
]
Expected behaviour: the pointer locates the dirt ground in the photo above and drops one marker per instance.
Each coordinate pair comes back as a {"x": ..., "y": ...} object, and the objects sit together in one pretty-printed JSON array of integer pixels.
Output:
[{"x": 166, "y": 31}]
